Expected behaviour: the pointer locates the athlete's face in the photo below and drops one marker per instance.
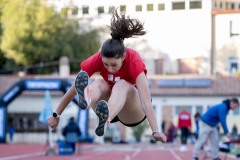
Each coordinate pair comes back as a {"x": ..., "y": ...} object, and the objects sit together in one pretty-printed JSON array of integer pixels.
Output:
[{"x": 112, "y": 64}]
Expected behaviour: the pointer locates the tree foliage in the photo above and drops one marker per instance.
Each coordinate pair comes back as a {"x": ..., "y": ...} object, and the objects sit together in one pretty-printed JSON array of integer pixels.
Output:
[
  {"x": 2, "y": 57},
  {"x": 34, "y": 32}
]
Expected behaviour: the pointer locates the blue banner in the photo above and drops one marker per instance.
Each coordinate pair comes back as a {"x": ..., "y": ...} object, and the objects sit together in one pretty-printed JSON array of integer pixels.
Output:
[
  {"x": 83, "y": 123},
  {"x": 10, "y": 94},
  {"x": 2, "y": 121},
  {"x": 42, "y": 84}
]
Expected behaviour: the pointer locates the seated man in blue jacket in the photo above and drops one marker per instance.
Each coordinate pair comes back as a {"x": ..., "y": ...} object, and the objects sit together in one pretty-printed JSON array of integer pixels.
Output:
[
  {"x": 71, "y": 132},
  {"x": 208, "y": 126}
]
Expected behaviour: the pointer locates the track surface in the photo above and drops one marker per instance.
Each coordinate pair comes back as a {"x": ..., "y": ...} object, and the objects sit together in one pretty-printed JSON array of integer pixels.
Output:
[{"x": 101, "y": 152}]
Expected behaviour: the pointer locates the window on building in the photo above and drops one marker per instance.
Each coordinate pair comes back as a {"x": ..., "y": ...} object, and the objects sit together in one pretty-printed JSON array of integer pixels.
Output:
[
  {"x": 123, "y": 8},
  {"x": 111, "y": 9},
  {"x": 100, "y": 9},
  {"x": 178, "y": 5},
  {"x": 215, "y": 6},
  {"x": 195, "y": 4},
  {"x": 85, "y": 10},
  {"x": 223, "y": 5},
  {"x": 149, "y": 7},
  {"x": 220, "y": 5},
  {"x": 233, "y": 65},
  {"x": 138, "y": 8},
  {"x": 161, "y": 6},
  {"x": 199, "y": 109},
  {"x": 180, "y": 108},
  {"x": 75, "y": 11},
  {"x": 233, "y": 6}
]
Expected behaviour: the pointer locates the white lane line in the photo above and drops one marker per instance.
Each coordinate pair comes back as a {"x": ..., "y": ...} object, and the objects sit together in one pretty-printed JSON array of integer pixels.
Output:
[
  {"x": 135, "y": 153},
  {"x": 175, "y": 155},
  {"x": 23, "y": 156}
]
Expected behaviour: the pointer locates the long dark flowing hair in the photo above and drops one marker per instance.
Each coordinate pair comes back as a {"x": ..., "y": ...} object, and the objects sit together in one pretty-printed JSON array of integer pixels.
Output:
[{"x": 121, "y": 27}]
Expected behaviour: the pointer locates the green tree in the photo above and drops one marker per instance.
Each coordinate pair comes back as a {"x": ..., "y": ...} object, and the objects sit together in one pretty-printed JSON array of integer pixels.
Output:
[
  {"x": 3, "y": 59},
  {"x": 34, "y": 33}
]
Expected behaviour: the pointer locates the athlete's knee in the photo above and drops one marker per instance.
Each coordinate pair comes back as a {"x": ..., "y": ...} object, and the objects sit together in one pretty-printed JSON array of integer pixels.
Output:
[{"x": 99, "y": 89}]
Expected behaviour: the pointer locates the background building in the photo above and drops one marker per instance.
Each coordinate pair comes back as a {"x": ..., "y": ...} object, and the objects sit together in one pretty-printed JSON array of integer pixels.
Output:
[{"x": 181, "y": 29}]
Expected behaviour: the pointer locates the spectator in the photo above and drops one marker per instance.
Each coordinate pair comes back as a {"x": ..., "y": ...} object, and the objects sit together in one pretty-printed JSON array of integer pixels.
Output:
[
  {"x": 171, "y": 133},
  {"x": 72, "y": 133},
  {"x": 196, "y": 118},
  {"x": 11, "y": 130},
  {"x": 208, "y": 126},
  {"x": 184, "y": 124}
]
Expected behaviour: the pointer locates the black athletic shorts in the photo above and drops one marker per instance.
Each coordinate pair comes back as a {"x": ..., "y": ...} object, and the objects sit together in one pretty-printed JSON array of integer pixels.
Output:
[{"x": 116, "y": 119}]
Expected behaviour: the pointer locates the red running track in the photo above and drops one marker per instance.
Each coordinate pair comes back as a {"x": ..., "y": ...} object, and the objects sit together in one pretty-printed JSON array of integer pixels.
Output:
[{"x": 100, "y": 152}]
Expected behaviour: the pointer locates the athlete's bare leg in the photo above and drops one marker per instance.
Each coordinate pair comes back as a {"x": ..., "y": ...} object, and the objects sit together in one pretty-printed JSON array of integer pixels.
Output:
[
  {"x": 99, "y": 91},
  {"x": 125, "y": 102}
]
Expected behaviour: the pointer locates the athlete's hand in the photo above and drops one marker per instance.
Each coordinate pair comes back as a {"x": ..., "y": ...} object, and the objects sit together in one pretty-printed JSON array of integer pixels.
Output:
[
  {"x": 53, "y": 123},
  {"x": 159, "y": 137}
]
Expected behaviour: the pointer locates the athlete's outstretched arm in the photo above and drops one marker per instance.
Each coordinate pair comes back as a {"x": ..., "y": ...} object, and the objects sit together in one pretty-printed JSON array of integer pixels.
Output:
[
  {"x": 145, "y": 96},
  {"x": 66, "y": 99}
]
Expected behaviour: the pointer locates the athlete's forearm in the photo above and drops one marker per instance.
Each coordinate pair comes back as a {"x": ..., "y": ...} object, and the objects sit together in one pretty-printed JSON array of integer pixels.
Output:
[
  {"x": 151, "y": 118},
  {"x": 145, "y": 97},
  {"x": 66, "y": 99}
]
